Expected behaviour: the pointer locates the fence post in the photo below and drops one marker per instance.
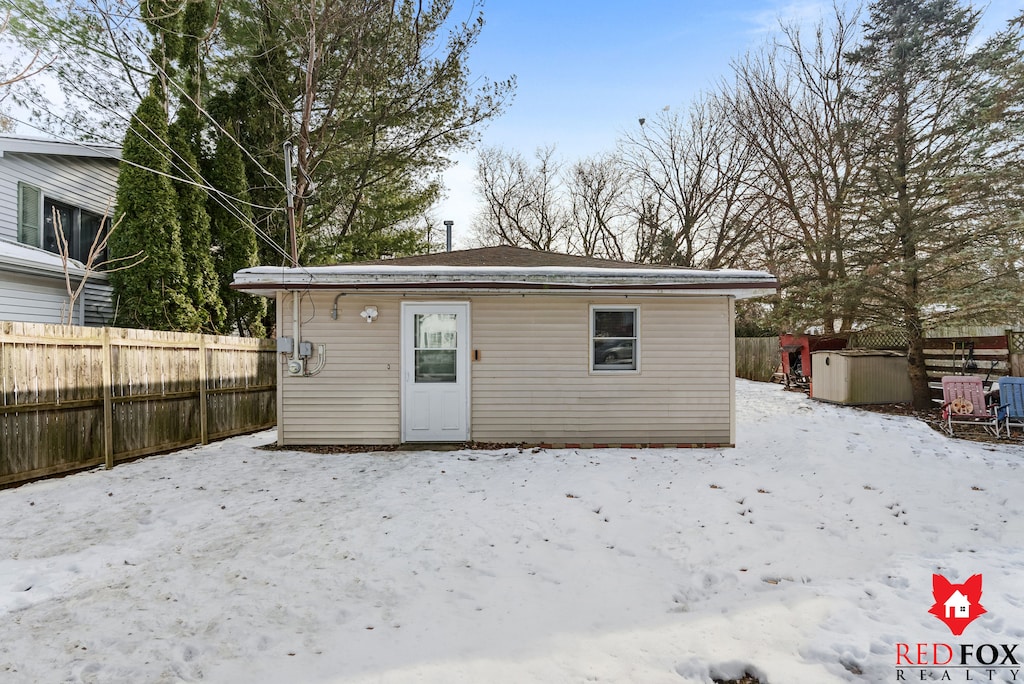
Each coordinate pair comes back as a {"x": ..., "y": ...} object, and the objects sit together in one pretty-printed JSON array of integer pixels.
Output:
[
  {"x": 108, "y": 404},
  {"x": 204, "y": 416}
]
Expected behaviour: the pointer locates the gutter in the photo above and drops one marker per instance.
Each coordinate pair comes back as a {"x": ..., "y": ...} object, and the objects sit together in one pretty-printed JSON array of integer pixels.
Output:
[{"x": 739, "y": 290}]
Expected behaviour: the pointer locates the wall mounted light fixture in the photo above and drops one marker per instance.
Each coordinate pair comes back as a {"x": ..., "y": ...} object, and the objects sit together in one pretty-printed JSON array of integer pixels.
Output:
[{"x": 369, "y": 313}]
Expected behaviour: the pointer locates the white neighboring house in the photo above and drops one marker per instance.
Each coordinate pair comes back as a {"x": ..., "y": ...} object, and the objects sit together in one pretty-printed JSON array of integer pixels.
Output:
[{"x": 37, "y": 178}]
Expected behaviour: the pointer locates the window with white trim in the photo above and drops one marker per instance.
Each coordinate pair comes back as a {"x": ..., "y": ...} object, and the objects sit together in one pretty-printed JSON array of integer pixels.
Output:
[
  {"x": 614, "y": 338},
  {"x": 40, "y": 217}
]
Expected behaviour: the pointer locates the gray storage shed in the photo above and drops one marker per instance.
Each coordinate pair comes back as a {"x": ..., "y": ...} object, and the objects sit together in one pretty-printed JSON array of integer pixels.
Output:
[{"x": 860, "y": 376}]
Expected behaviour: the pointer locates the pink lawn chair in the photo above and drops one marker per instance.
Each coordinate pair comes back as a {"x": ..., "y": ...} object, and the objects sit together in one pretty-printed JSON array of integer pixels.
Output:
[{"x": 964, "y": 403}]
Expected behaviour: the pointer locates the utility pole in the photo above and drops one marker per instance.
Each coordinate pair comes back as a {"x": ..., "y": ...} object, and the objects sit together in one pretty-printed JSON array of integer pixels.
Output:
[{"x": 290, "y": 194}]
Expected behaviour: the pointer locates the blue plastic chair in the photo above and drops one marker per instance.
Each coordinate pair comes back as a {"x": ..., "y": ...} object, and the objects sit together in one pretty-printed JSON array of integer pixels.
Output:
[{"x": 1011, "y": 400}]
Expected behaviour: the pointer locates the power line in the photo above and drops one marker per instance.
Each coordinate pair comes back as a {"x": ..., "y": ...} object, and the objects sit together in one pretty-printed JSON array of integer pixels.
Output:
[
  {"x": 159, "y": 70},
  {"x": 217, "y": 195}
]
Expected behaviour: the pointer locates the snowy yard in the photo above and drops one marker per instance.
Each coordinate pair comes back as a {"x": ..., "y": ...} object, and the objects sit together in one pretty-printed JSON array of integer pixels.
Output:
[{"x": 804, "y": 555}]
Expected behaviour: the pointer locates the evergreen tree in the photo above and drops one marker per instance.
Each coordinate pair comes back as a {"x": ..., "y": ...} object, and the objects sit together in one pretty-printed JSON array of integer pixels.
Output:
[
  {"x": 191, "y": 197},
  {"x": 232, "y": 230},
  {"x": 374, "y": 95},
  {"x": 185, "y": 136},
  {"x": 936, "y": 165},
  {"x": 153, "y": 294}
]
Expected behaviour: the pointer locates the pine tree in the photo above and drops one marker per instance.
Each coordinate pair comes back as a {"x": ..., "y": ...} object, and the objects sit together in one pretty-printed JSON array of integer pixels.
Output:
[
  {"x": 934, "y": 197},
  {"x": 153, "y": 294}
]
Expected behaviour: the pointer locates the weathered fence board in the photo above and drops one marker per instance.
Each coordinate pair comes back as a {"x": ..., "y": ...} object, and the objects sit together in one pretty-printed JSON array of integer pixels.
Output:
[
  {"x": 986, "y": 356},
  {"x": 989, "y": 352},
  {"x": 75, "y": 397},
  {"x": 757, "y": 357}
]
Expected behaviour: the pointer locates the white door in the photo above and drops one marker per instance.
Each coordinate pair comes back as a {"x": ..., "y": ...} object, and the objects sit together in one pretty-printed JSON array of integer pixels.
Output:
[{"x": 435, "y": 372}]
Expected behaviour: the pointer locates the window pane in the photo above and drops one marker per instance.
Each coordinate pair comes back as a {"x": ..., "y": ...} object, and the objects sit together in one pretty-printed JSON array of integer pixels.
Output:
[
  {"x": 91, "y": 224},
  {"x": 614, "y": 324},
  {"x": 54, "y": 212},
  {"x": 614, "y": 354},
  {"x": 29, "y": 220},
  {"x": 435, "y": 365},
  {"x": 614, "y": 344},
  {"x": 435, "y": 331}
]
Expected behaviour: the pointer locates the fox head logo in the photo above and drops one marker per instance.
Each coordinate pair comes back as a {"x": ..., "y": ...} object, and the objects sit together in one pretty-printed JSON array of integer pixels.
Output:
[{"x": 957, "y": 605}]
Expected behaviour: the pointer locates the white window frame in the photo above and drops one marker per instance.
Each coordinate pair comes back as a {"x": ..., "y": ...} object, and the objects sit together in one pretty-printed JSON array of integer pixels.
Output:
[
  {"x": 609, "y": 370},
  {"x": 73, "y": 233}
]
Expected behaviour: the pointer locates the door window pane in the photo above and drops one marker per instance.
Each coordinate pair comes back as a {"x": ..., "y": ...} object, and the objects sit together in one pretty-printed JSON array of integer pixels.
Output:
[
  {"x": 435, "y": 331},
  {"x": 435, "y": 343},
  {"x": 435, "y": 365}
]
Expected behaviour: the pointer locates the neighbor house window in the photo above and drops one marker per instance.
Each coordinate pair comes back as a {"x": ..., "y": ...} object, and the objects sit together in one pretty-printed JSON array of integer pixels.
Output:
[
  {"x": 40, "y": 217},
  {"x": 614, "y": 338}
]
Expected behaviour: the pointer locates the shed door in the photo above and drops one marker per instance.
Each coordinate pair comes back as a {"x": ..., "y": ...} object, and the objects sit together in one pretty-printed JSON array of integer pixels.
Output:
[{"x": 435, "y": 370}]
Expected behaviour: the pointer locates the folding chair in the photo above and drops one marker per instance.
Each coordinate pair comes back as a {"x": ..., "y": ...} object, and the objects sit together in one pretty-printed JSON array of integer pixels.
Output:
[
  {"x": 1011, "y": 400},
  {"x": 964, "y": 403}
]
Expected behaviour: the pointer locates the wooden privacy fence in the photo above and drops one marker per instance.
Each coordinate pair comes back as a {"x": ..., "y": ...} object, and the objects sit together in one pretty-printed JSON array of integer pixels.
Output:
[
  {"x": 77, "y": 397},
  {"x": 757, "y": 357},
  {"x": 979, "y": 352}
]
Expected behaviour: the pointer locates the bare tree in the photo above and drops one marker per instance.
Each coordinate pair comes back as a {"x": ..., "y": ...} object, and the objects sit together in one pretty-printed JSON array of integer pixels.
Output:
[
  {"x": 598, "y": 189},
  {"x": 524, "y": 206},
  {"x": 791, "y": 105},
  {"x": 95, "y": 259},
  {"x": 693, "y": 169}
]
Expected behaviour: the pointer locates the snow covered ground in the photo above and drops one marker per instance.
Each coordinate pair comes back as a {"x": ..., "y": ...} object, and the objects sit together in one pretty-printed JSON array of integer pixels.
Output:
[{"x": 803, "y": 555}]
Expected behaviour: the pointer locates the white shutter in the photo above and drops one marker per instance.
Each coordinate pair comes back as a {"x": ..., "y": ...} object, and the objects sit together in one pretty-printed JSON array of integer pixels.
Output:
[{"x": 30, "y": 215}]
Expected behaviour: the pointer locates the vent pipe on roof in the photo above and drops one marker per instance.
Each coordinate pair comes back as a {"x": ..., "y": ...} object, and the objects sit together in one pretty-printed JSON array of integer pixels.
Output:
[{"x": 448, "y": 234}]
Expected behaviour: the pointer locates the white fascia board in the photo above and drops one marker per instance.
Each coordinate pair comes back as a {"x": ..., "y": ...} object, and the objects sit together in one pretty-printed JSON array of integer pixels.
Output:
[
  {"x": 264, "y": 280},
  {"x": 320, "y": 276},
  {"x": 58, "y": 147}
]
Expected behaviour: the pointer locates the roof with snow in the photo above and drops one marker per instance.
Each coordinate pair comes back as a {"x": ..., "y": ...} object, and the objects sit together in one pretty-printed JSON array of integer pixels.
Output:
[{"x": 505, "y": 269}]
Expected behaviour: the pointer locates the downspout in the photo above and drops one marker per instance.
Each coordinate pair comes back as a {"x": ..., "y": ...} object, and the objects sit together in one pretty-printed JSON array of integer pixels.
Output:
[{"x": 296, "y": 332}]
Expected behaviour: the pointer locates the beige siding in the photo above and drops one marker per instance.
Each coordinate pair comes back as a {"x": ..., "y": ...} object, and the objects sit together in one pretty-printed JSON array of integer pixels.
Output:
[
  {"x": 355, "y": 399},
  {"x": 532, "y": 382}
]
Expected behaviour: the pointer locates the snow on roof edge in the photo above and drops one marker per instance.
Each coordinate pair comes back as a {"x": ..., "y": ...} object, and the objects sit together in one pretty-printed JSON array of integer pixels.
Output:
[{"x": 275, "y": 274}]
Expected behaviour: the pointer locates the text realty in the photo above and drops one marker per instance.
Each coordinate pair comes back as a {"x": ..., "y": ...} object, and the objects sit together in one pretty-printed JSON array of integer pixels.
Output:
[{"x": 996, "y": 657}]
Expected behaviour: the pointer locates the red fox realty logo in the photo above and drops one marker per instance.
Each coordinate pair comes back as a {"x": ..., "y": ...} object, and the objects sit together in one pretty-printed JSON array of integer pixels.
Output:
[{"x": 957, "y": 605}]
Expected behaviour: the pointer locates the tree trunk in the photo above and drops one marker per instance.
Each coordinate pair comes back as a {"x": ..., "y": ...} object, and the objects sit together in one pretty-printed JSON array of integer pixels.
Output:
[{"x": 916, "y": 367}]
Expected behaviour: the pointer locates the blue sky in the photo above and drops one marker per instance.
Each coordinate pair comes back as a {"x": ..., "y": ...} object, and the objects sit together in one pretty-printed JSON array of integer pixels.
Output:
[{"x": 588, "y": 70}]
